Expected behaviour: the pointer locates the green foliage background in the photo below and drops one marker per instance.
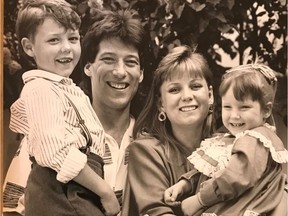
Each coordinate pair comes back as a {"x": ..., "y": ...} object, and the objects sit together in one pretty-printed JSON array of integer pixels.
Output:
[{"x": 242, "y": 29}]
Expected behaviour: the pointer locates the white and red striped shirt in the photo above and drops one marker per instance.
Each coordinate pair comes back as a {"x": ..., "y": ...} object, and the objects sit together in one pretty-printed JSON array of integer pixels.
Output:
[{"x": 50, "y": 124}]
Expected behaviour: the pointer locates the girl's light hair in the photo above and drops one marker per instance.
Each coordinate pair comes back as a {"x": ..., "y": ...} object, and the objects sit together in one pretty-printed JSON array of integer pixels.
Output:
[{"x": 256, "y": 81}]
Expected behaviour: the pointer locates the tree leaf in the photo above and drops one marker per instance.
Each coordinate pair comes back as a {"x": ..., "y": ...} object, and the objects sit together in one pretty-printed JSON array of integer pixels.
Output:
[{"x": 197, "y": 6}]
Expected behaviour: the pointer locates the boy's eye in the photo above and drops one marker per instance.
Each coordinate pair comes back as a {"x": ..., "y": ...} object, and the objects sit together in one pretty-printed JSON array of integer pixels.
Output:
[
  {"x": 74, "y": 39},
  {"x": 53, "y": 40}
]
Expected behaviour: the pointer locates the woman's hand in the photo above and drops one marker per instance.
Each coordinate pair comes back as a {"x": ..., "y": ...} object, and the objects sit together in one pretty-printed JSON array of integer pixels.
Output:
[
  {"x": 172, "y": 193},
  {"x": 191, "y": 205},
  {"x": 110, "y": 204}
]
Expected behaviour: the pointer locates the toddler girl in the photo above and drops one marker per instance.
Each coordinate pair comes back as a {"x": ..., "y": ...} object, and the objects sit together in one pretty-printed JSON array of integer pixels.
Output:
[{"x": 243, "y": 176}]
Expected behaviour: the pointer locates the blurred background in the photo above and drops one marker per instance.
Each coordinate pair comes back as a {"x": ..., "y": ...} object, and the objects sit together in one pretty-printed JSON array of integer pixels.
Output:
[{"x": 227, "y": 32}]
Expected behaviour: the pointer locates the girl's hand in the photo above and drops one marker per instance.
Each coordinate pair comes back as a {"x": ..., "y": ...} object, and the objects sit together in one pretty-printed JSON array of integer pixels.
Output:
[
  {"x": 170, "y": 196},
  {"x": 191, "y": 205},
  {"x": 110, "y": 204},
  {"x": 172, "y": 193}
]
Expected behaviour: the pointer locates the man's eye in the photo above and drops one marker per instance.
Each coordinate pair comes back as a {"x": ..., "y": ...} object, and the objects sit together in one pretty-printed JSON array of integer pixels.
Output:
[
  {"x": 108, "y": 60},
  {"x": 131, "y": 63}
]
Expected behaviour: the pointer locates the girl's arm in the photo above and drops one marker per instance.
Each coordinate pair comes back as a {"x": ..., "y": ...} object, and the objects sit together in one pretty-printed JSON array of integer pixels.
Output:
[
  {"x": 246, "y": 166},
  {"x": 172, "y": 193}
]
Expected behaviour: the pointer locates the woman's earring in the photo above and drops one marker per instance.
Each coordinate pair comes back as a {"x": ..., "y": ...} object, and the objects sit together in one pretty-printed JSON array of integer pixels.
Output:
[
  {"x": 162, "y": 116},
  {"x": 211, "y": 109}
]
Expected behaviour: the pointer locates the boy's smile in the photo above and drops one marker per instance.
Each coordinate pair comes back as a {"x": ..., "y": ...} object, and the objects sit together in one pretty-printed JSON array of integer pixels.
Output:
[{"x": 55, "y": 49}]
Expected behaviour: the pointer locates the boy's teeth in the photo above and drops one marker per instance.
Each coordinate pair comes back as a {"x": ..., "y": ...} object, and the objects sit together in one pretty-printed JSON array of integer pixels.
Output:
[{"x": 64, "y": 60}]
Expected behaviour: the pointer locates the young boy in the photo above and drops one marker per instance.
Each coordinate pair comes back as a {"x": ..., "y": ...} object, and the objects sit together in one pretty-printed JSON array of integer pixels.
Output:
[{"x": 65, "y": 138}]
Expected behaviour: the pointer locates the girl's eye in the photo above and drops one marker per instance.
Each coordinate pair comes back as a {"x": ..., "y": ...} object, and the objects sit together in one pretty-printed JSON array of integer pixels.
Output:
[
  {"x": 244, "y": 107},
  {"x": 226, "y": 107}
]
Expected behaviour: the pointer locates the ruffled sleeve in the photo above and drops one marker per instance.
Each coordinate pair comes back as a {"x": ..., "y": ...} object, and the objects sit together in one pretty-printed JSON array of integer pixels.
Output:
[
  {"x": 213, "y": 154},
  {"x": 279, "y": 155}
]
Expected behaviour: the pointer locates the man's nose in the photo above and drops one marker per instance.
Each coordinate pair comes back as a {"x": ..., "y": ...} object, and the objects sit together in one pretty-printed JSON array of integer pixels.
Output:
[{"x": 120, "y": 70}]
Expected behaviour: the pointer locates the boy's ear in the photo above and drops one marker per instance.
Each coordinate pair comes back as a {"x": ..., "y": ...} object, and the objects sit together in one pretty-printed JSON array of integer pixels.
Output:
[
  {"x": 141, "y": 76},
  {"x": 87, "y": 69},
  {"x": 27, "y": 46},
  {"x": 268, "y": 110}
]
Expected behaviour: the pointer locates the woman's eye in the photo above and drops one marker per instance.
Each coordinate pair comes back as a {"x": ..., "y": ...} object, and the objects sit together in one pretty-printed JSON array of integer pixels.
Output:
[
  {"x": 196, "y": 86},
  {"x": 173, "y": 90}
]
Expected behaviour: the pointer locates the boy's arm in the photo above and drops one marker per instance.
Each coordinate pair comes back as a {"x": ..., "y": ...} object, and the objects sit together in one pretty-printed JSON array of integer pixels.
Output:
[
  {"x": 89, "y": 179},
  {"x": 246, "y": 166}
]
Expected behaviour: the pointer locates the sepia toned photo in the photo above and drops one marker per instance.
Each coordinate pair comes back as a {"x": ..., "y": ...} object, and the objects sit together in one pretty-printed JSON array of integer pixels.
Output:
[{"x": 144, "y": 107}]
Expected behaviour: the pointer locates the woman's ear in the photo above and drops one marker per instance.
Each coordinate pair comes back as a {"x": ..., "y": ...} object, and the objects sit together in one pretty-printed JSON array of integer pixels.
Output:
[
  {"x": 211, "y": 96},
  {"x": 27, "y": 46},
  {"x": 87, "y": 69},
  {"x": 268, "y": 110},
  {"x": 141, "y": 76},
  {"x": 160, "y": 105}
]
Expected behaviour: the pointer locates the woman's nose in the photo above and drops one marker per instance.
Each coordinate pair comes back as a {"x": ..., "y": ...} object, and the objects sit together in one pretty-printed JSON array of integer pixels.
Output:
[
  {"x": 187, "y": 95},
  {"x": 120, "y": 70}
]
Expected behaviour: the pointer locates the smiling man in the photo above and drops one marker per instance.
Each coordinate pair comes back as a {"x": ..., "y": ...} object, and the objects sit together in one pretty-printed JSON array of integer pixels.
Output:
[
  {"x": 112, "y": 73},
  {"x": 111, "y": 62}
]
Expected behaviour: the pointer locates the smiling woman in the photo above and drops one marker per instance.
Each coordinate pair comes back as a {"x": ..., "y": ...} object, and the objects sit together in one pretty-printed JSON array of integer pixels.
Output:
[{"x": 173, "y": 122}]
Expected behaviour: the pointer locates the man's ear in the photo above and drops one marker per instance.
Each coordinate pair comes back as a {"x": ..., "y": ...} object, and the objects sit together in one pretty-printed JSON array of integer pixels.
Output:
[
  {"x": 211, "y": 96},
  {"x": 27, "y": 46},
  {"x": 268, "y": 110},
  {"x": 141, "y": 76},
  {"x": 87, "y": 69}
]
